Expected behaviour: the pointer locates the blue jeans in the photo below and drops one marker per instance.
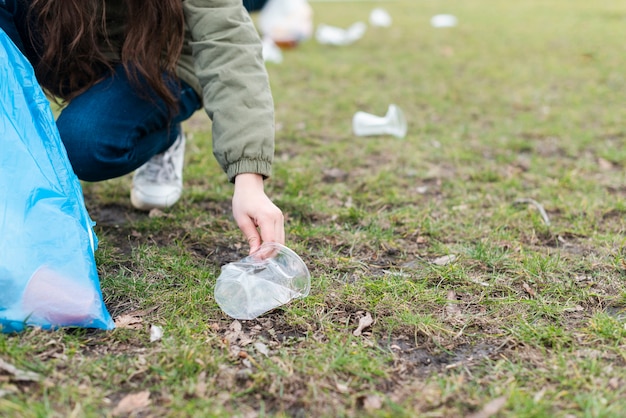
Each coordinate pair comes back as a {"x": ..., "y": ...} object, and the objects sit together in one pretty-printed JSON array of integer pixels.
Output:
[
  {"x": 110, "y": 129},
  {"x": 251, "y": 5}
]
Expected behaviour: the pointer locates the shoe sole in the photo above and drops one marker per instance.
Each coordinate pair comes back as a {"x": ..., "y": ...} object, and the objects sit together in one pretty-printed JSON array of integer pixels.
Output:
[{"x": 144, "y": 202}]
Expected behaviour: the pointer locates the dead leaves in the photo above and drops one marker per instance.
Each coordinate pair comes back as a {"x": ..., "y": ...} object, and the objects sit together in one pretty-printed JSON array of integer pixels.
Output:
[
  {"x": 133, "y": 402},
  {"x": 491, "y": 408},
  {"x": 444, "y": 260},
  {"x": 531, "y": 292},
  {"x": 364, "y": 322},
  {"x": 134, "y": 320},
  {"x": 372, "y": 402},
  {"x": 129, "y": 322},
  {"x": 236, "y": 339}
]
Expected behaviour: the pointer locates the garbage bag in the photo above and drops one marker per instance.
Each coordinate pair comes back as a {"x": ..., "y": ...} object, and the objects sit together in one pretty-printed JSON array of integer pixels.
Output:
[
  {"x": 286, "y": 22},
  {"x": 48, "y": 275}
]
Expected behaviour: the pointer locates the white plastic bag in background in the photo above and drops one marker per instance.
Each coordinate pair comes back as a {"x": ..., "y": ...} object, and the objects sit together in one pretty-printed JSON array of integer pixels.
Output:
[{"x": 286, "y": 22}]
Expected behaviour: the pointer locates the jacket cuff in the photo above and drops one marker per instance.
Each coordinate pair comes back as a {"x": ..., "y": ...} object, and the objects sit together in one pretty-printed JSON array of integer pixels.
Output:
[{"x": 261, "y": 167}]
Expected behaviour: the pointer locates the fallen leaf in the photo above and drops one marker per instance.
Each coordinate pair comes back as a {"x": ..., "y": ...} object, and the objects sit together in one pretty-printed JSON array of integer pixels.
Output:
[
  {"x": 234, "y": 332},
  {"x": 529, "y": 290},
  {"x": 128, "y": 322},
  {"x": 364, "y": 322},
  {"x": 158, "y": 213},
  {"x": 334, "y": 174},
  {"x": 235, "y": 326},
  {"x": 342, "y": 388},
  {"x": 445, "y": 260},
  {"x": 490, "y": 409},
  {"x": 262, "y": 348},
  {"x": 372, "y": 402},
  {"x": 605, "y": 165},
  {"x": 132, "y": 402}
]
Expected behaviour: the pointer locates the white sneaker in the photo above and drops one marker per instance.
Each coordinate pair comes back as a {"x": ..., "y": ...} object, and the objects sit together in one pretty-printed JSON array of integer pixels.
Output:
[{"x": 159, "y": 182}]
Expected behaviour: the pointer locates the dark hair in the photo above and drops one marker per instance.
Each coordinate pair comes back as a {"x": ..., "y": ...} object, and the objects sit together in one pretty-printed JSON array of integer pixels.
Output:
[{"x": 75, "y": 44}]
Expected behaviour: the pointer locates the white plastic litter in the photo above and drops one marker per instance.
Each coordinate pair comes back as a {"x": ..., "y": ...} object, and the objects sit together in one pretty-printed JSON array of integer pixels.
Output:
[
  {"x": 271, "y": 277},
  {"x": 156, "y": 333},
  {"x": 393, "y": 123},
  {"x": 286, "y": 22},
  {"x": 443, "y": 21},
  {"x": 271, "y": 51},
  {"x": 380, "y": 17},
  {"x": 332, "y": 35}
]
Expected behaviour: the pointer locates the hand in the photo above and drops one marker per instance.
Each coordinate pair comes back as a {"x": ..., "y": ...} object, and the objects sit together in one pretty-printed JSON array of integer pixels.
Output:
[{"x": 257, "y": 217}]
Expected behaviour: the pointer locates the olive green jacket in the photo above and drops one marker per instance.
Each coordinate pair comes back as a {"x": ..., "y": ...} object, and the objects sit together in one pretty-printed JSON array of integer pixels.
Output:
[{"x": 222, "y": 59}]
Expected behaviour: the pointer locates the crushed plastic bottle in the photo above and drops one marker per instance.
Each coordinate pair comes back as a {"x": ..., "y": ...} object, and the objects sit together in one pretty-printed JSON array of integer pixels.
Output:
[{"x": 271, "y": 277}]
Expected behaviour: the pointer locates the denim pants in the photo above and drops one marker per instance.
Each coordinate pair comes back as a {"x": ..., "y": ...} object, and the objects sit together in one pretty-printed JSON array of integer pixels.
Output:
[
  {"x": 110, "y": 129},
  {"x": 251, "y": 5}
]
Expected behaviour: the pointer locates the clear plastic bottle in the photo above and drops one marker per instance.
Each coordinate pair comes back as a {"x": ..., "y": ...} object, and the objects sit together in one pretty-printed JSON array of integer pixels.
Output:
[{"x": 267, "y": 279}]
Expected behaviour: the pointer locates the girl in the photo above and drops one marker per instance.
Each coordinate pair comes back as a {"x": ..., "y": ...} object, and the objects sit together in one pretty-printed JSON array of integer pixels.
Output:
[{"x": 128, "y": 72}]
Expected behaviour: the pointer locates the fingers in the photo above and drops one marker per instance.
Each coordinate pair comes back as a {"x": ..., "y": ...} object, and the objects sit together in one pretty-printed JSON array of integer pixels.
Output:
[
  {"x": 257, "y": 217},
  {"x": 268, "y": 227},
  {"x": 273, "y": 228},
  {"x": 251, "y": 233}
]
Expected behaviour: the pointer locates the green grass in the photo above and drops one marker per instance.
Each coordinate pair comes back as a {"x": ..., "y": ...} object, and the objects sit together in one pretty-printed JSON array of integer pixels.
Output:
[{"x": 522, "y": 100}]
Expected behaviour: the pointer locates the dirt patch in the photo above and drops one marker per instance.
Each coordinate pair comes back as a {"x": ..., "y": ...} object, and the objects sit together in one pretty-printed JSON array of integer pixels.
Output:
[
  {"x": 114, "y": 215},
  {"x": 421, "y": 361}
]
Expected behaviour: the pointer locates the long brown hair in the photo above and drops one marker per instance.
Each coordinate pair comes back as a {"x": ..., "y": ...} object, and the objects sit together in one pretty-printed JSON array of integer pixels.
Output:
[{"x": 75, "y": 44}]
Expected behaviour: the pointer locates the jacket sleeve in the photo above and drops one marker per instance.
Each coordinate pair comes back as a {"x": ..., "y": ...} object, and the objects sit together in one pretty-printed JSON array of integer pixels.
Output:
[{"x": 229, "y": 65}]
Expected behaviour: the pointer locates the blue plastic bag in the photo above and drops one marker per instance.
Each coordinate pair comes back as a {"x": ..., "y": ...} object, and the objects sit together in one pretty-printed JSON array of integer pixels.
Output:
[{"x": 48, "y": 275}]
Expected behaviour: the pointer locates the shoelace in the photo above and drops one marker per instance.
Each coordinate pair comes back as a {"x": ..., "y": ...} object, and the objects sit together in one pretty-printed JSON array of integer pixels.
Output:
[{"x": 160, "y": 168}]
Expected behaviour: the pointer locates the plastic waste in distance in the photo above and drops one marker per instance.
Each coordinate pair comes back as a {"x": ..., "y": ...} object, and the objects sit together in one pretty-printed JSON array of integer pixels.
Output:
[
  {"x": 393, "y": 123},
  {"x": 271, "y": 51},
  {"x": 271, "y": 277},
  {"x": 286, "y": 22},
  {"x": 443, "y": 21},
  {"x": 332, "y": 35},
  {"x": 380, "y": 17}
]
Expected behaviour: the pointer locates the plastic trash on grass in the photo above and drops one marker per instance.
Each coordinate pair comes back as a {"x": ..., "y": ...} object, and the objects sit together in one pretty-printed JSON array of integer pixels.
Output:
[
  {"x": 286, "y": 22},
  {"x": 393, "y": 123},
  {"x": 48, "y": 275},
  {"x": 271, "y": 51},
  {"x": 380, "y": 17},
  {"x": 443, "y": 21},
  {"x": 271, "y": 277},
  {"x": 332, "y": 35}
]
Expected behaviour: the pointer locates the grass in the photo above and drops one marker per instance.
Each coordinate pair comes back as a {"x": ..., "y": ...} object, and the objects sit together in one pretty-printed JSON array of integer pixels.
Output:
[{"x": 522, "y": 100}]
